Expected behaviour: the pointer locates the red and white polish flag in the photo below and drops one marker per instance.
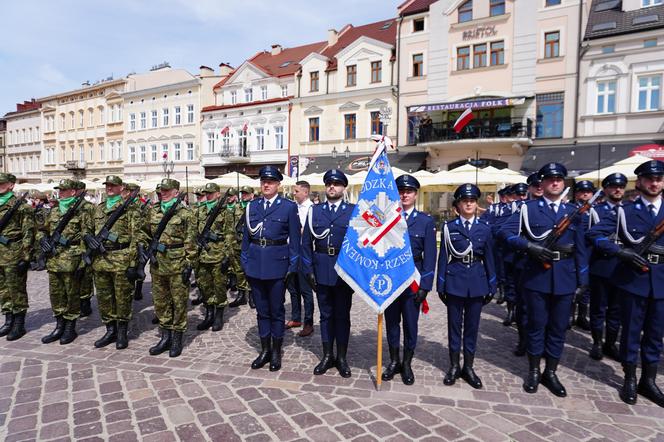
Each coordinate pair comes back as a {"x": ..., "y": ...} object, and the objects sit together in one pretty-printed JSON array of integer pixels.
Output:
[{"x": 463, "y": 120}]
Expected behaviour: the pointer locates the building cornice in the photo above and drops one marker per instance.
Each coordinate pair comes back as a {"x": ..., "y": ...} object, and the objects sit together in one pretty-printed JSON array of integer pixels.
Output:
[{"x": 163, "y": 88}]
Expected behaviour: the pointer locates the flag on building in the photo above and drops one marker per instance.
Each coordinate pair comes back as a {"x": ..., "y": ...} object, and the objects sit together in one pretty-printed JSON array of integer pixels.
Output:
[
  {"x": 225, "y": 130},
  {"x": 375, "y": 258},
  {"x": 463, "y": 120},
  {"x": 244, "y": 128}
]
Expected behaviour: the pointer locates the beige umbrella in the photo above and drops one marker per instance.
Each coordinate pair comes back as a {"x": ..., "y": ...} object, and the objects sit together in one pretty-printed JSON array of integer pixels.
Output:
[{"x": 625, "y": 166}]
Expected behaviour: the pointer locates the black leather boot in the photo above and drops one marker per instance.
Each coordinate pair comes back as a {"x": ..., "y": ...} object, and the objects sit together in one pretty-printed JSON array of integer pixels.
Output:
[
  {"x": 57, "y": 332},
  {"x": 467, "y": 373},
  {"x": 407, "y": 375},
  {"x": 275, "y": 357},
  {"x": 264, "y": 356},
  {"x": 86, "y": 308},
  {"x": 218, "y": 318},
  {"x": 110, "y": 335},
  {"x": 509, "y": 319},
  {"x": 163, "y": 344},
  {"x": 454, "y": 372},
  {"x": 122, "y": 341},
  {"x": 18, "y": 328},
  {"x": 69, "y": 334},
  {"x": 342, "y": 364},
  {"x": 327, "y": 361},
  {"x": 628, "y": 390},
  {"x": 533, "y": 377},
  {"x": 209, "y": 318},
  {"x": 550, "y": 379},
  {"x": 582, "y": 317},
  {"x": 520, "y": 349},
  {"x": 7, "y": 326},
  {"x": 647, "y": 386},
  {"x": 240, "y": 300},
  {"x": 176, "y": 344},
  {"x": 610, "y": 349},
  {"x": 596, "y": 351},
  {"x": 252, "y": 304},
  {"x": 394, "y": 366}
]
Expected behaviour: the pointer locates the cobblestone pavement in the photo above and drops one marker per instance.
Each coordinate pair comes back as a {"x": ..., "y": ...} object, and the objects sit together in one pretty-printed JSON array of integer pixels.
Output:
[{"x": 54, "y": 392}]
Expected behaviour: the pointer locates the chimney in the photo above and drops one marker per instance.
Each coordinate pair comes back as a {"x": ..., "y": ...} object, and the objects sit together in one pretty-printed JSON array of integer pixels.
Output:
[
  {"x": 86, "y": 83},
  {"x": 205, "y": 71},
  {"x": 276, "y": 49},
  {"x": 332, "y": 37},
  {"x": 225, "y": 69}
]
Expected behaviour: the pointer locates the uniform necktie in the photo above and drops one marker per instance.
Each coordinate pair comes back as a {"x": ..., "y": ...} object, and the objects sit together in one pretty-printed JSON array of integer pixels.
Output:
[
  {"x": 267, "y": 205},
  {"x": 467, "y": 224},
  {"x": 333, "y": 208},
  {"x": 651, "y": 209},
  {"x": 553, "y": 207}
]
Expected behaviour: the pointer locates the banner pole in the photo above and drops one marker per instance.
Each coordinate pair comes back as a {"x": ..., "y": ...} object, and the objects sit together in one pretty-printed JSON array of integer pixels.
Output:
[{"x": 379, "y": 356}]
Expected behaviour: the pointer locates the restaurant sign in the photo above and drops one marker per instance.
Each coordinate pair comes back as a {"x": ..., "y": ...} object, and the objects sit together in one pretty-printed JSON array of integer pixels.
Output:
[
  {"x": 480, "y": 32},
  {"x": 463, "y": 105}
]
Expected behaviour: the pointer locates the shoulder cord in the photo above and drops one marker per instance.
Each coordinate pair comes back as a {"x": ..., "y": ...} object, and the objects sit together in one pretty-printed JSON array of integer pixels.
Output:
[
  {"x": 252, "y": 230},
  {"x": 523, "y": 221},
  {"x": 623, "y": 222},
  {"x": 451, "y": 251},
  {"x": 325, "y": 232},
  {"x": 593, "y": 217}
]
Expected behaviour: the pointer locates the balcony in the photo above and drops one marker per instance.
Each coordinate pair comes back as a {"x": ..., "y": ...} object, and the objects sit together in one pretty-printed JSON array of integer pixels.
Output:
[
  {"x": 477, "y": 129},
  {"x": 235, "y": 154},
  {"x": 75, "y": 165}
]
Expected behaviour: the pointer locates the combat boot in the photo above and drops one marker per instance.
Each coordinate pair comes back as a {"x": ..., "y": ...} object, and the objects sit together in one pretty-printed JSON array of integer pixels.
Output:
[
  {"x": 407, "y": 375},
  {"x": 610, "y": 349},
  {"x": 467, "y": 373},
  {"x": 342, "y": 364},
  {"x": 86, "y": 308},
  {"x": 70, "y": 332},
  {"x": 7, "y": 326},
  {"x": 109, "y": 337},
  {"x": 264, "y": 356},
  {"x": 163, "y": 344},
  {"x": 509, "y": 319},
  {"x": 122, "y": 341},
  {"x": 534, "y": 375},
  {"x": 454, "y": 372},
  {"x": 582, "y": 317},
  {"x": 275, "y": 358},
  {"x": 218, "y": 322},
  {"x": 550, "y": 378},
  {"x": 394, "y": 366},
  {"x": 628, "y": 390},
  {"x": 327, "y": 360},
  {"x": 57, "y": 332},
  {"x": 209, "y": 317},
  {"x": 241, "y": 299},
  {"x": 18, "y": 328},
  {"x": 647, "y": 386},
  {"x": 596, "y": 351},
  {"x": 176, "y": 344}
]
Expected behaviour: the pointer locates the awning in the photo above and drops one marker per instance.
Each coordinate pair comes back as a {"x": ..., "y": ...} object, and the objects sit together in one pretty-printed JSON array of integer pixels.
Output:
[
  {"x": 582, "y": 158},
  {"x": 407, "y": 161},
  {"x": 485, "y": 103}
]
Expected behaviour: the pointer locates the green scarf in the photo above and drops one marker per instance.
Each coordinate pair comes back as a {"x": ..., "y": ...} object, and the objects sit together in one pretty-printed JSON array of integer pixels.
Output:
[
  {"x": 210, "y": 205},
  {"x": 65, "y": 203},
  {"x": 230, "y": 206},
  {"x": 165, "y": 205},
  {"x": 111, "y": 200},
  {"x": 6, "y": 197},
  {"x": 200, "y": 203},
  {"x": 244, "y": 204}
]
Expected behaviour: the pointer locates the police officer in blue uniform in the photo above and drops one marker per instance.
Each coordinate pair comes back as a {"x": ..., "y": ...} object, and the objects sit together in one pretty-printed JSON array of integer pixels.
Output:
[
  {"x": 495, "y": 216},
  {"x": 551, "y": 276},
  {"x": 509, "y": 256},
  {"x": 640, "y": 279},
  {"x": 534, "y": 186},
  {"x": 604, "y": 295},
  {"x": 322, "y": 238},
  {"x": 583, "y": 192},
  {"x": 269, "y": 257},
  {"x": 466, "y": 281},
  {"x": 422, "y": 233}
]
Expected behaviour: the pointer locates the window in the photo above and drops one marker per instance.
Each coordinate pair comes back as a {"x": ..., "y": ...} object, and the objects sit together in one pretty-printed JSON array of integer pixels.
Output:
[
  {"x": 91, "y": 117},
  {"x": 248, "y": 95},
  {"x": 418, "y": 65},
  {"x": 177, "y": 115},
  {"x": 102, "y": 153},
  {"x": 284, "y": 90},
  {"x": 552, "y": 44},
  {"x": 91, "y": 153},
  {"x": 102, "y": 120},
  {"x": 497, "y": 53},
  {"x": 466, "y": 11},
  {"x": 226, "y": 141},
  {"x": 314, "y": 127},
  {"x": 376, "y": 71},
  {"x": 552, "y": 2},
  {"x": 164, "y": 150},
  {"x": 73, "y": 120},
  {"x": 313, "y": 81},
  {"x": 606, "y": 97},
  {"x": 118, "y": 112},
  {"x": 350, "y": 127},
  {"x": 190, "y": 113},
  {"x": 646, "y": 3},
  {"x": 177, "y": 151},
  {"x": 260, "y": 138},
  {"x": 351, "y": 75},
  {"x": 649, "y": 92},
  {"x": 242, "y": 143},
  {"x": 608, "y": 49},
  {"x": 650, "y": 43},
  {"x": 81, "y": 153},
  {"x": 132, "y": 121},
  {"x": 153, "y": 153},
  {"x": 497, "y": 7},
  {"x": 164, "y": 117},
  {"x": 153, "y": 118},
  {"x": 376, "y": 124},
  {"x": 80, "y": 118},
  {"x": 279, "y": 137},
  {"x": 550, "y": 115},
  {"x": 190, "y": 151},
  {"x": 234, "y": 97},
  {"x": 210, "y": 142},
  {"x": 132, "y": 154},
  {"x": 418, "y": 25},
  {"x": 143, "y": 157},
  {"x": 479, "y": 55},
  {"x": 263, "y": 92},
  {"x": 143, "y": 120},
  {"x": 463, "y": 58}
]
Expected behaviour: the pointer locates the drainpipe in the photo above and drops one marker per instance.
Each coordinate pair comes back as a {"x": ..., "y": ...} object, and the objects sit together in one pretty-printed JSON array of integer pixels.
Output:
[
  {"x": 578, "y": 71},
  {"x": 400, "y": 21},
  {"x": 290, "y": 118}
]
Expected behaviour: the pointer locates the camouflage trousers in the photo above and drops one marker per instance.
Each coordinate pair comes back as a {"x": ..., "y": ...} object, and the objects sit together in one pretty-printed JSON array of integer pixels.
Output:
[
  {"x": 87, "y": 288},
  {"x": 65, "y": 291},
  {"x": 212, "y": 283},
  {"x": 236, "y": 269},
  {"x": 170, "y": 297},
  {"x": 114, "y": 296},
  {"x": 13, "y": 293}
]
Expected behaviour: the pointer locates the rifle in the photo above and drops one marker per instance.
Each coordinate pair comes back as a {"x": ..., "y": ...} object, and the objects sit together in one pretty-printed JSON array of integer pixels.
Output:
[
  {"x": 206, "y": 235},
  {"x": 559, "y": 229},
  {"x": 8, "y": 216},
  {"x": 151, "y": 253},
  {"x": 96, "y": 246},
  {"x": 48, "y": 244},
  {"x": 649, "y": 240}
]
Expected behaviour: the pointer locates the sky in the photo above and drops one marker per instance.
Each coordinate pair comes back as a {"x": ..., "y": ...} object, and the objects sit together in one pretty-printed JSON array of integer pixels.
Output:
[{"x": 54, "y": 46}]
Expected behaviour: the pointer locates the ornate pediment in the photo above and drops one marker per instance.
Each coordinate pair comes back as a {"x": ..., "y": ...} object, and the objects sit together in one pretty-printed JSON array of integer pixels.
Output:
[{"x": 313, "y": 110}]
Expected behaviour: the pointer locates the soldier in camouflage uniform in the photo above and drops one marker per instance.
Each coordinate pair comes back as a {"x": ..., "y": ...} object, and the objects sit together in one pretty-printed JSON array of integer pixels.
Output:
[
  {"x": 65, "y": 269},
  {"x": 236, "y": 212},
  {"x": 201, "y": 199},
  {"x": 114, "y": 290},
  {"x": 139, "y": 210},
  {"x": 87, "y": 287},
  {"x": 172, "y": 271},
  {"x": 16, "y": 240}
]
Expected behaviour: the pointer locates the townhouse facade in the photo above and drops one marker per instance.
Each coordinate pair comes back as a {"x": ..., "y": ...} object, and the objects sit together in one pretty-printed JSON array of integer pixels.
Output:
[
  {"x": 3, "y": 143},
  {"x": 23, "y": 141}
]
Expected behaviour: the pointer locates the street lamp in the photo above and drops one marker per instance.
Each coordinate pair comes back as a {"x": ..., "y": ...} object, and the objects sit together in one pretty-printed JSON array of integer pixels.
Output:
[
  {"x": 168, "y": 166},
  {"x": 334, "y": 152},
  {"x": 347, "y": 152}
]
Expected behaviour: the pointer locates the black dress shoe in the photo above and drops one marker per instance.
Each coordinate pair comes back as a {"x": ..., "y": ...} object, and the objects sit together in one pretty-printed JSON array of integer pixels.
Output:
[{"x": 327, "y": 361}]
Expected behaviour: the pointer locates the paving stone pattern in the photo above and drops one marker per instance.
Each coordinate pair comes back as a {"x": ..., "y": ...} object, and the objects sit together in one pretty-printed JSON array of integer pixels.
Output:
[{"x": 53, "y": 392}]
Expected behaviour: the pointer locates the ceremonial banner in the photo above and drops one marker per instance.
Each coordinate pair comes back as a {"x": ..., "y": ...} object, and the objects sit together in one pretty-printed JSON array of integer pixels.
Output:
[{"x": 376, "y": 258}]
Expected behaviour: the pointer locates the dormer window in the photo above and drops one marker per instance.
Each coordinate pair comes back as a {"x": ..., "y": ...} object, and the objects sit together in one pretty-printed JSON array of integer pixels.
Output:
[{"x": 466, "y": 11}]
